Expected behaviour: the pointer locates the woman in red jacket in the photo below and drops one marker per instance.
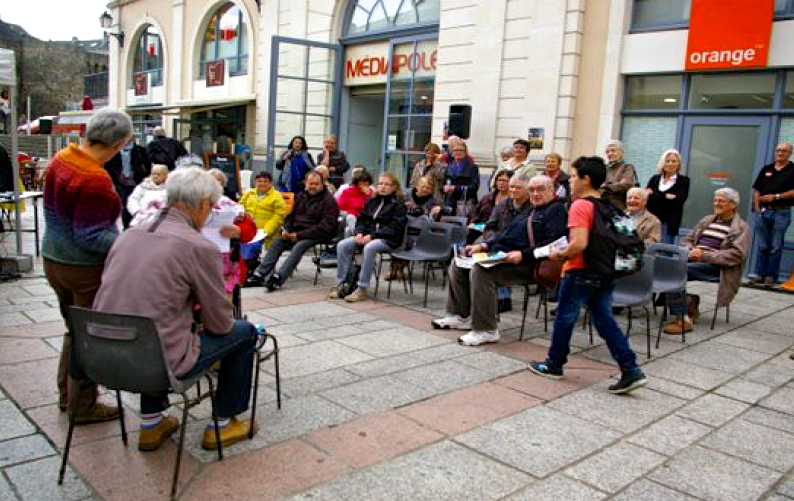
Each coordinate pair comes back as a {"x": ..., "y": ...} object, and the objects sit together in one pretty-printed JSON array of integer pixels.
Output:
[{"x": 354, "y": 197}]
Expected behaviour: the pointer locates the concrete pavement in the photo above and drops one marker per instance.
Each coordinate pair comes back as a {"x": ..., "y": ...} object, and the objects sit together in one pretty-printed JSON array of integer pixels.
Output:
[{"x": 378, "y": 406}]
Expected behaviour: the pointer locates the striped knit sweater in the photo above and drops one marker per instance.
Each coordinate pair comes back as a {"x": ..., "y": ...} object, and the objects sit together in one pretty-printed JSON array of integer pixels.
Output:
[{"x": 80, "y": 209}]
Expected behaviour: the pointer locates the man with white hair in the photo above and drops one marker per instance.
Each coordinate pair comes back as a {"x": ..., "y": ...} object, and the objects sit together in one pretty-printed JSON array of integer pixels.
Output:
[
  {"x": 164, "y": 150},
  {"x": 718, "y": 245},
  {"x": 471, "y": 299},
  {"x": 620, "y": 175},
  {"x": 182, "y": 272}
]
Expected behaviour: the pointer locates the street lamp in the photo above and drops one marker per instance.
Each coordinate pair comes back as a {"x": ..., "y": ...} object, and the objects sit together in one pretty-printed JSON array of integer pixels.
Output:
[{"x": 105, "y": 20}]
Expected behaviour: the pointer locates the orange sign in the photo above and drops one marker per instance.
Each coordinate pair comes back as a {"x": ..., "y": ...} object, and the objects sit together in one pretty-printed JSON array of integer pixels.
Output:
[{"x": 729, "y": 34}]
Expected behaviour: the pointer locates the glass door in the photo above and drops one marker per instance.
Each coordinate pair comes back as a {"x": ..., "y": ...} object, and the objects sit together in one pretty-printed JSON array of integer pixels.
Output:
[
  {"x": 722, "y": 152},
  {"x": 304, "y": 94},
  {"x": 408, "y": 107}
]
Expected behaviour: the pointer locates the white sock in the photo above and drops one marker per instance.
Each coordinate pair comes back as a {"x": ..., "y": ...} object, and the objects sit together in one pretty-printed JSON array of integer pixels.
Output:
[
  {"x": 222, "y": 423},
  {"x": 149, "y": 421}
]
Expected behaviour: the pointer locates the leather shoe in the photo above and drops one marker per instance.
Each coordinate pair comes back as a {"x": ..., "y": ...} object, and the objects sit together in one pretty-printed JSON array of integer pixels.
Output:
[
  {"x": 677, "y": 327},
  {"x": 234, "y": 432},
  {"x": 152, "y": 439},
  {"x": 98, "y": 413}
]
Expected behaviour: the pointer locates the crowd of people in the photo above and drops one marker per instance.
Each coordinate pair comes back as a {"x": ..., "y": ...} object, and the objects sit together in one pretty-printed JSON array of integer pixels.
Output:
[{"x": 165, "y": 198}]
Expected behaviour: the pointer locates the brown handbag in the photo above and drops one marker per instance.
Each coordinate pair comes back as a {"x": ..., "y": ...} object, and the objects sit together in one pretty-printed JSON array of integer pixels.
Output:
[{"x": 547, "y": 272}]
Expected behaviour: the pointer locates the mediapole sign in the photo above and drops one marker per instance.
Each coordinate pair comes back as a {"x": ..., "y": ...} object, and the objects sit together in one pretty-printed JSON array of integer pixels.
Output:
[
  {"x": 370, "y": 64},
  {"x": 729, "y": 34}
]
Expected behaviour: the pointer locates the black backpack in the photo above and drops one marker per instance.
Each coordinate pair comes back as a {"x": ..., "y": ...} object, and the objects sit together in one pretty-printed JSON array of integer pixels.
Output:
[{"x": 614, "y": 249}]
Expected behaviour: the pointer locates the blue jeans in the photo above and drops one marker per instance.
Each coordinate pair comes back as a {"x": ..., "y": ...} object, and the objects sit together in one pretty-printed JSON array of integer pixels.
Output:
[
  {"x": 770, "y": 229},
  {"x": 667, "y": 239},
  {"x": 578, "y": 288},
  {"x": 344, "y": 252},
  {"x": 695, "y": 272},
  {"x": 235, "y": 350},
  {"x": 275, "y": 251}
]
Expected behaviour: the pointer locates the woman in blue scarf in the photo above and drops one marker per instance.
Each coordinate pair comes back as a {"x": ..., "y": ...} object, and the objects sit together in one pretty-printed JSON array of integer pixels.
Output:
[
  {"x": 462, "y": 182},
  {"x": 294, "y": 163}
]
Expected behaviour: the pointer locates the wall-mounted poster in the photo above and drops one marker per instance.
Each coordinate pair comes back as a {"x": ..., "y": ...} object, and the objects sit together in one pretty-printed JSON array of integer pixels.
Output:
[{"x": 535, "y": 138}]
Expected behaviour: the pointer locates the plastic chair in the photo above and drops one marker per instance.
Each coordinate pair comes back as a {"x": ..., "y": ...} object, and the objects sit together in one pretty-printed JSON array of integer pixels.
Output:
[
  {"x": 669, "y": 275},
  {"x": 636, "y": 290},
  {"x": 414, "y": 226},
  {"x": 328, "y": 245},
  {"x": 461, "y": 230},
  {"x": 434, "y": 244},
  {"x": 124, "y": 352}
]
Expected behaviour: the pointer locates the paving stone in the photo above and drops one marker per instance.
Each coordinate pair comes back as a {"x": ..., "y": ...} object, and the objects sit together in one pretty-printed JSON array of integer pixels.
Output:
[
  {"x": 713, "y": 476},
  {"x": 442, "y": 377},
  {"x": 713, "y": 410},
  {"x": 339, "y": 331},
  {"x": 392, "y": 342},
  {"x": 769, "y": 374},
  {"x": 721, "y": 357},
  {"x": 12, "y": 319},
  {"x": 620, "y": 412},
  {"x": 781, "y": 400},
  {"x": 675, "y": 389},
  {"x": 685, "y": 373},
  {"x": 756, "y": 340},
  {"x": 556, "y": 488},
  {"x": 645, "y": 490},
  {"x": 314, "y": 383},
  {"x": 7, "y": 490},
  {"x": 615, "y": 467},
  {"x": 40, "y": 289},
  {"x": 755, "y": 443},
  {"x": 744, "y": 390},
  {"x": 440, "y": 472},
  {"x": 13, "y": 423},
  {"x": 15, "y": 350},
  {"x": 376, "y": 394},
  {"x": 787, "y": 487},
  {"x": 37, "y": 480},
  {"x": 383, "y": 366},
  {"x": 308, "y": 312},
  {"x": 670, "y": 435},
  {"x": 767, "y": 417},
  {"x": 318, "y": 357},
  {"x": 44, "y": 315},
  {"x": 33, "y": 299},
  {"x": 539, "y": 440},
  {"x": 23, "y": 449},
  {"x": 351, "y": 317},
  {"x": 776, "y": 324},
  {"x": 21, "y": 307},
  {"x": 493, "y": 364}
]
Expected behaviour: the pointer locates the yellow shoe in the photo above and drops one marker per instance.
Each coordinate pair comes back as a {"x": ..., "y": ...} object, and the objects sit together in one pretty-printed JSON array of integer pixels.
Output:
[
  {"x": 98, "y": 413},
  {"x": 153, "y": 438},
  {"x": 234, "y": 432},
  {"x": 356, "y": 296}
]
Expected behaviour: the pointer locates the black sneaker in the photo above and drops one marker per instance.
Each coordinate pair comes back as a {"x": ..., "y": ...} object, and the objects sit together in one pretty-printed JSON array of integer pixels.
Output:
[
  {"x": 629, "y": 381},
  {"x": 545, "y": 369},
  {"x": 254, "y": 281},
  {"x": 273, "y": 283}
]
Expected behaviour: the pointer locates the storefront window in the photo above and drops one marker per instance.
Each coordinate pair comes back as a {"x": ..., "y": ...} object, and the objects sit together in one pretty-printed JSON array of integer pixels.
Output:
[
  {"x": 653, "y": 93},
  {"x": 788, "y": 92},
  {"x": 226, "y": 39},
  {"x": 148, "y": 58},
  {"x": 660, "y": 14},
  {"x": 732, "y": 91},
  {"x": 645, "y": 139},
  {"x": 383, "y": 15}
]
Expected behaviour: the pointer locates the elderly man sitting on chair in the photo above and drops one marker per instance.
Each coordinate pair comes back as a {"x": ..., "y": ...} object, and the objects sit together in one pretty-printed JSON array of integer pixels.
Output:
[
  {"x": 471, "y": 299},
  {"x": 718, "y": 246},
  {"x": 181, "y": 271}
]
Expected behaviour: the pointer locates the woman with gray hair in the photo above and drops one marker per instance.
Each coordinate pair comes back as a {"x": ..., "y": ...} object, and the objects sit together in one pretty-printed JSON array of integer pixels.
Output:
[
  {"x": 80, "y": 213},
  {"x": 649, "y": 228}
]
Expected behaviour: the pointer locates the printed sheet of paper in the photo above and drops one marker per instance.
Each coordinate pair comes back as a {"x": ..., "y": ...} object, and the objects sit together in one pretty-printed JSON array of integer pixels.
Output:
[{"x": 212, "y": 228}]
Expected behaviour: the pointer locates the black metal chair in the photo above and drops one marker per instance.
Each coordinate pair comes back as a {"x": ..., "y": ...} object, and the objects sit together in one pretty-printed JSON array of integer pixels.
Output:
[
  {"x": 124, "y": 352},
  {"x": 434, "y": 244}
]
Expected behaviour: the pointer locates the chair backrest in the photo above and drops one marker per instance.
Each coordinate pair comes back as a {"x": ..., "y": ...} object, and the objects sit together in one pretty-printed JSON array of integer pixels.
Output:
[
  {"x": 436, "y": 239},
  {"x": 670, "y": 267},
  {"x": 636, "y": 288},
  {"x": 289, "y": 200},
  {"x": 461, "y": 227},
  {"x": 121, "y": 352},
  {"x": 245, "y": 180}
]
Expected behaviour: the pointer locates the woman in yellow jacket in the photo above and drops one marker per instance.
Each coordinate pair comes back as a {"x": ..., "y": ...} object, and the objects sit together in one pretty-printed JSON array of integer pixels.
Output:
[{"x": 266, "y": 205}]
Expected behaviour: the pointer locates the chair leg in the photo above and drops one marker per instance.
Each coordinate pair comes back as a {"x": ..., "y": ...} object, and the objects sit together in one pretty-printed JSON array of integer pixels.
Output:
[
  {"x": 121, "y": 418},
  {"x": 316, "y": 261},
  {"x": 181, "y": 445},
  {"x": 628, "y": 327},
  {"x": 257, "y": 361},
  {"x": 214, "y": 418},
  {"x": 377, "y": 279},
  {"x": 427, "y": 283},
  {"x": 714, "y": 317},
  {"x": 648, "y": 329},
  {"x": 524, "y": 314},
  {"x": 68, "y": 446},
  {"x": 278, "y": 371}
]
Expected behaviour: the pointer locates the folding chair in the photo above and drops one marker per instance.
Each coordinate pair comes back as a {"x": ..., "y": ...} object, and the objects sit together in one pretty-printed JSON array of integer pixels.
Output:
[
  {"x": 636, "y": 290},
  {"x": 434, "y": 244},
  {"x": 669, "y": 275},
  {"x": 124, "y": 352}
]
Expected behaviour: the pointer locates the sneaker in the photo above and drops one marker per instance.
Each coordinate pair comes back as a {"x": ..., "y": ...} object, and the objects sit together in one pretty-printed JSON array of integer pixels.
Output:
[
  {"x": 756, "y": 280},
  {"x": 769, "y": 282},
  {"x": 273, "y": 283},
  {"x": 232, "y": 433},
  {"x": 629, "y": 381},
  {"x": 334, "y": 294},
  {"x": 545, "y": 369},
  {"x": 476, "y": 338},
  {"x": 677, "y": 327},
  {"x": 357, "y": 295},
  {"x": 97, "y": 414},
  {"x": 254, "y": 281},
  {"x": 452, "y": 322},
  {"x": 151, "y": 439}
]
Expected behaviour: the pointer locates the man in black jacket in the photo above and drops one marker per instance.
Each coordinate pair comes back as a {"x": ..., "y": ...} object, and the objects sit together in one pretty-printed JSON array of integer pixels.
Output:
[
  {"x": 164, "y": 150},
  {"x": 312, "y": 220},
  {"x": 128, "y": 169},
  {"x": 471, "y": 299}
]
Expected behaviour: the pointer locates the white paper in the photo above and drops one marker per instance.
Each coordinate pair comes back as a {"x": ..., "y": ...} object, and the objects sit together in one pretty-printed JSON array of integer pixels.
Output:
[
  {"x": 558, "y": 245},
  {"x": 212, "y": 228}
]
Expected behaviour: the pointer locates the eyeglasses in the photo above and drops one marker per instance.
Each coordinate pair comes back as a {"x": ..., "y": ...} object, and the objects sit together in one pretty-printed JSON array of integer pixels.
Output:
[{"x": 782, "y": 150}]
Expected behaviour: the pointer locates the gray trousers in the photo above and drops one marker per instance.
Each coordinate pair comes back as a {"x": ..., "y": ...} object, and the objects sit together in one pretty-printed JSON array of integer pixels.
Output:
[
  {"x": 344, "y": 258},
  {"x": 473, "y": 292}
]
